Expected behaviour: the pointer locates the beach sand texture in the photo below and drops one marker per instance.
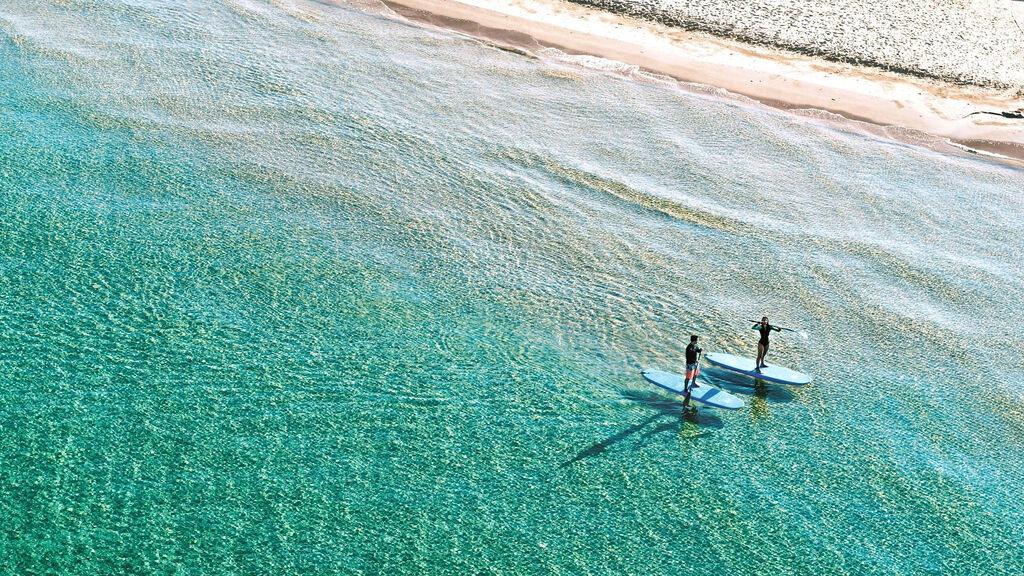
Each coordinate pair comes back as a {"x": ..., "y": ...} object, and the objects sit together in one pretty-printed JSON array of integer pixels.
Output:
[{"x": 965, "y": 41}]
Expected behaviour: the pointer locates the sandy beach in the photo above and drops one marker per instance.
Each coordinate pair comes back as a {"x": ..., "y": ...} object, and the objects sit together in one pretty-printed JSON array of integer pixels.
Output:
[
  {"x": 909, "y": 105},
  {"x": 978, "y": 42}
]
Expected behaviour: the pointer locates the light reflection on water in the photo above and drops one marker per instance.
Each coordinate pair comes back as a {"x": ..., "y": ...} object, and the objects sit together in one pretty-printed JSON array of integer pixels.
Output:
[{"x": 294, "y": 288}]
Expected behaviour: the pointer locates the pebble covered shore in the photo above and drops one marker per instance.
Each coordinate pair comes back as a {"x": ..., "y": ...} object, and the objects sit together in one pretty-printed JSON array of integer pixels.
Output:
[{"x": 977, "y": 42}]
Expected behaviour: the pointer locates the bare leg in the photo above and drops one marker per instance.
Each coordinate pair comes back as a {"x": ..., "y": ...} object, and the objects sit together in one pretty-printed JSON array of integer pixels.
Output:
[
  {"x": 761, "y": 351},
  {"x": 764, "y": 364}
]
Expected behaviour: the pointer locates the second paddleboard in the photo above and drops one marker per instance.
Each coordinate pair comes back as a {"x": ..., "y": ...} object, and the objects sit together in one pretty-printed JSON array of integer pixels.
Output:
[{"x": 773, "y": 373}]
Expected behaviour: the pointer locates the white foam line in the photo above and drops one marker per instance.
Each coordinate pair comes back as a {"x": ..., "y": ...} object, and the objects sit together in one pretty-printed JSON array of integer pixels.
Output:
[{"x": 970, "y": 150}]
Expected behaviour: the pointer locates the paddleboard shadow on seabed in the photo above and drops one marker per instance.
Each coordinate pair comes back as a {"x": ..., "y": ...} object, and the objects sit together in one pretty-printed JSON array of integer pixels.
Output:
[
  {"x": 667, "y": 418},
  {"x": 738, "y": 383}
]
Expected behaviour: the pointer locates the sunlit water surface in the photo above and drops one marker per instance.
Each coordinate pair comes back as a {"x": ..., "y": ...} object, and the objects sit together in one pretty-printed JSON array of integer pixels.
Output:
[{"x": 293, "y": 288}]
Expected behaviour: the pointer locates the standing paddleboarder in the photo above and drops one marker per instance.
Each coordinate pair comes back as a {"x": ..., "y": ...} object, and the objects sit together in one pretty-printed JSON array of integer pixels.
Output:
[
  {"x": 762, "y": 345},
  {"x": 693, "y": 352}
]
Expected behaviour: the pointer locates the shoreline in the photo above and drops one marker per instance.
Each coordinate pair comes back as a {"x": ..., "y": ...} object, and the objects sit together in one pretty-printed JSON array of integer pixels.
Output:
[{"x": 880, "y": 103}]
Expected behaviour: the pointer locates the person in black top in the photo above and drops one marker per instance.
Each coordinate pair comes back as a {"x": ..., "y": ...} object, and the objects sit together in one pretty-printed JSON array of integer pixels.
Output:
[
  {"x": 693, "y": 352},
  {"x": 762, "y": 345}
]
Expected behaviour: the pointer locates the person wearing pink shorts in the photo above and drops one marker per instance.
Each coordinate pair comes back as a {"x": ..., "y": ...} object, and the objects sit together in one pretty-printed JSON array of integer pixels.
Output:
[{"x": 693, "y": 352}]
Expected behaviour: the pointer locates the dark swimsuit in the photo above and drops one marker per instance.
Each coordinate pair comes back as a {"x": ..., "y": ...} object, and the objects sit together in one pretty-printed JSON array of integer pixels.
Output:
[
  {"x": 765, "y": 330},
  {"x": 691, "y": 353}
]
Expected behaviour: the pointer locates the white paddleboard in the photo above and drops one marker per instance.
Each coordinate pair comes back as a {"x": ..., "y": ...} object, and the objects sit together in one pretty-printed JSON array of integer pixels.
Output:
[
  {"x": 703, "y": 393},
  {"x": 771, "y": 373}
]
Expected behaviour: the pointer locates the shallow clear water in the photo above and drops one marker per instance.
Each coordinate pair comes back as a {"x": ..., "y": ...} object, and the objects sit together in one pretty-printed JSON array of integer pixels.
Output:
[{"x": 292, "y": 288}]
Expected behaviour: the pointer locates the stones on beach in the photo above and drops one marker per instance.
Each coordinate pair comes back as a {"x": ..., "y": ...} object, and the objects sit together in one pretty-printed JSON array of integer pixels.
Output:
[
  {"x": 1012, "y": 114},
  {"x": 962, "y": 41}
]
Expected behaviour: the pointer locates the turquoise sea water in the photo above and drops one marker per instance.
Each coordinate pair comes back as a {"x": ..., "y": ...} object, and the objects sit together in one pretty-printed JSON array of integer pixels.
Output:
[{"x": 294, "y": 288}]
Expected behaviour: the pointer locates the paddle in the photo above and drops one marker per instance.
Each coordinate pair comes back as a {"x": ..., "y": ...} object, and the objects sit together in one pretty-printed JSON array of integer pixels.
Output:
[
  {"x": 773, "y": 326},
  {"x": 800, "y": 332}
]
